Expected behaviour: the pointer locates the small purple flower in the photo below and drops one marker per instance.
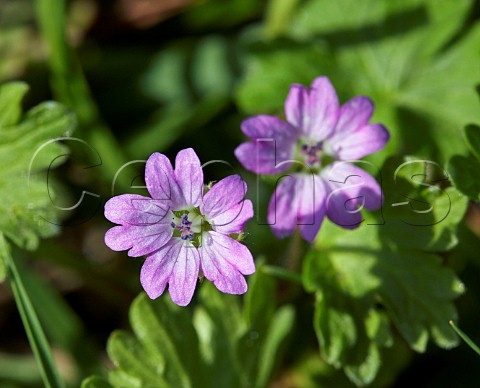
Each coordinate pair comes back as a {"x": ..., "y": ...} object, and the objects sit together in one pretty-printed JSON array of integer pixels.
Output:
[
  {"x": 182, "y": 230},
  {"x": 315, "y": 142}
]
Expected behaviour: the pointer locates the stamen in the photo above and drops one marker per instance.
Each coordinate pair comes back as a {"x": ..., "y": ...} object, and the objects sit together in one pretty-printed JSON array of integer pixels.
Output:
[
  {"x": 184, "y": 225},
  {"x": 311, "y": 151}
]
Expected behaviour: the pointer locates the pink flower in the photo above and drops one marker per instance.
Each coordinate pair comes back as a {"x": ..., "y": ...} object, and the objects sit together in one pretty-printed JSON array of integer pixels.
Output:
[
  {"x": 183, "y": 230},
  {"x": 314, "y": 143}
]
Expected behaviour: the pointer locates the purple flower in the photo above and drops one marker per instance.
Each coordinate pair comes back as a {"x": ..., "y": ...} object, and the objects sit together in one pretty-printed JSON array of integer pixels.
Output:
[
  {"x": 183, "y": 230},
  {"x": 317, "y": 138}
]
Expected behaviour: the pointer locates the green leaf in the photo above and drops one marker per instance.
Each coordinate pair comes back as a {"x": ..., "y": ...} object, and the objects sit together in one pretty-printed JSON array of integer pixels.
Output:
[
  {"x": 417, "y": 212},
  {"x": 162, "y": 325},
  {"x": 128, "y": 354},
  {"x": 227, "y": 327},
  {"x": 258, "y": 308},
  {"x": 472, "y": 135},
  {"x": 464, "y": 173},
  {"x": 211, "y": 347},
  {"x": 261, "y": 345},
  {"x": 351, "y": 282},
  {"x": 96, "y": 382},
  {"x": 278, "y": 16},
  {"x": 11, "y": 96},
  {"x": 211, "y": 72},
  {"x": 343, "y": 321},
  {"x": 280, "y": 327},
  {"x": 27, "y": 147},
  {"x": 272, "y": 68},
  {"x": 382, "y": 274},
  {"x": 398, "y": 275}
]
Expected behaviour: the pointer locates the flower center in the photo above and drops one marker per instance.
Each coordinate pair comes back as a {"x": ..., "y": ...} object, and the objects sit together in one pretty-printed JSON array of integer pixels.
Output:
[
  {"x": 187, "y": 224},
  {"x": 311, "y": 152}
]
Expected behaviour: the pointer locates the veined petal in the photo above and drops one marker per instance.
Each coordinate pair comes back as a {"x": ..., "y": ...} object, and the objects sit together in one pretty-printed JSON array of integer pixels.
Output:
[
  {"x": 139, "y": 239},
  {"x": 132, "y": 209},
  {"x": 282, "y": 209},
  {"x": 185, "y": 274},
  {"x": 298, "y": 200},
  {"x": 234, "y": 219},
  {"x": 350, "y": 189},
  {"x": 272, "y": 146},
  {"x": 314, "y": 112},
  {"x": 268, "y": 127},
  {"x": 264, "y": 156},
  {"x": 342, "y": 210},
  {"x": 309, "y": 229},
  {"x": 189, "y": 175},
  {"x": 354, "y": 114},
  {"x": 160, "y": 180},
  {"x": 227, "y": 193},
  {"x": 158, "y": 267},
  {"x": 311, "y": 205},
  {"x": 323, "y": 109},
  {"x": 364, "y": 141},
  {"x": 297, "y": 107},
  {"x": 354, "y": 137},
  {"x": 177, "y": 264},
  {"x": 224, "y": 260}
]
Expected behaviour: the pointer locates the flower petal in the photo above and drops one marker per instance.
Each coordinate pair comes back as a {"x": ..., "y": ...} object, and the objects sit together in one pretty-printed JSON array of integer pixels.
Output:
[
  {"x": 364, "y": 141},
  {"x": 298, "y": 200},
  {"x": 268, "y": 127},
  {"x": 234, "y": 219},
  {"x": 140, "y": 239},
  {"x": 132, "y": 209},
  {"x": 311, "y": 206},
  {"x": 314, "y": 112},
  {"x": 309, "y": 230},
  {"x": 297, "y": 107},
  {"x": 223, "y": 262},
  {"x": 160, "y": 180},
  {"x": 354, "y": 114},
  {"x": 350, "y": 189},
  {"x": 224, "y": 195},
  {"x": 354, "y": 137},
  {"x": 282, "y": 209},
  {"x": 158, "y": 267},
  {"x": 272, "y": 147},
  {"x": 177, "y": 264},
  {"x": 342, "y": 210},
  {"x": 189, "y": 175},
  {"x": 323, "y": 108},
  {"x": 185, "y": 274},
  {"x": 265, "y": 156}
]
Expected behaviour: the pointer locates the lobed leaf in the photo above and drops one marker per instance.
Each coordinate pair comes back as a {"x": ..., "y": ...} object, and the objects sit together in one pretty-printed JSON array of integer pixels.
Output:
[
  {"x": 27, "y": 148},
  {"x": 217, "y": 345}
]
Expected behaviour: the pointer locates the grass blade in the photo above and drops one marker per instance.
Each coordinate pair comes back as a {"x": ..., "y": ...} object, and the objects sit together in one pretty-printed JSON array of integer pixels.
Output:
[{"x": 34, "y": 331}]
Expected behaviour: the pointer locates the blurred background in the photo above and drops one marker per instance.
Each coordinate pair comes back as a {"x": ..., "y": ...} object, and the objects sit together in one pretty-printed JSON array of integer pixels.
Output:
[{"x": 144, "y": 76}]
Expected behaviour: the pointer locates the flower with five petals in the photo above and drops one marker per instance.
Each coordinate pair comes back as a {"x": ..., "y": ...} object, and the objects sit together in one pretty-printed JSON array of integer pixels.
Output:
[
  {"x": 315, "y": 143},
  {"x": 183, "y": 230}
]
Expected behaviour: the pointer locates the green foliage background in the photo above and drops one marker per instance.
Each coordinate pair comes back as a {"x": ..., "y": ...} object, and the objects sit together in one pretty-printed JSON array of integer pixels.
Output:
[{"x": 363, "y": 307}]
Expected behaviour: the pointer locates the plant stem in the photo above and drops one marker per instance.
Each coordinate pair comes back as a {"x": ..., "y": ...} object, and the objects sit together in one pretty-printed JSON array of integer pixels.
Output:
[
  {"x": 282, "y": 273},
  {"x": 71, "y": 88}
]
